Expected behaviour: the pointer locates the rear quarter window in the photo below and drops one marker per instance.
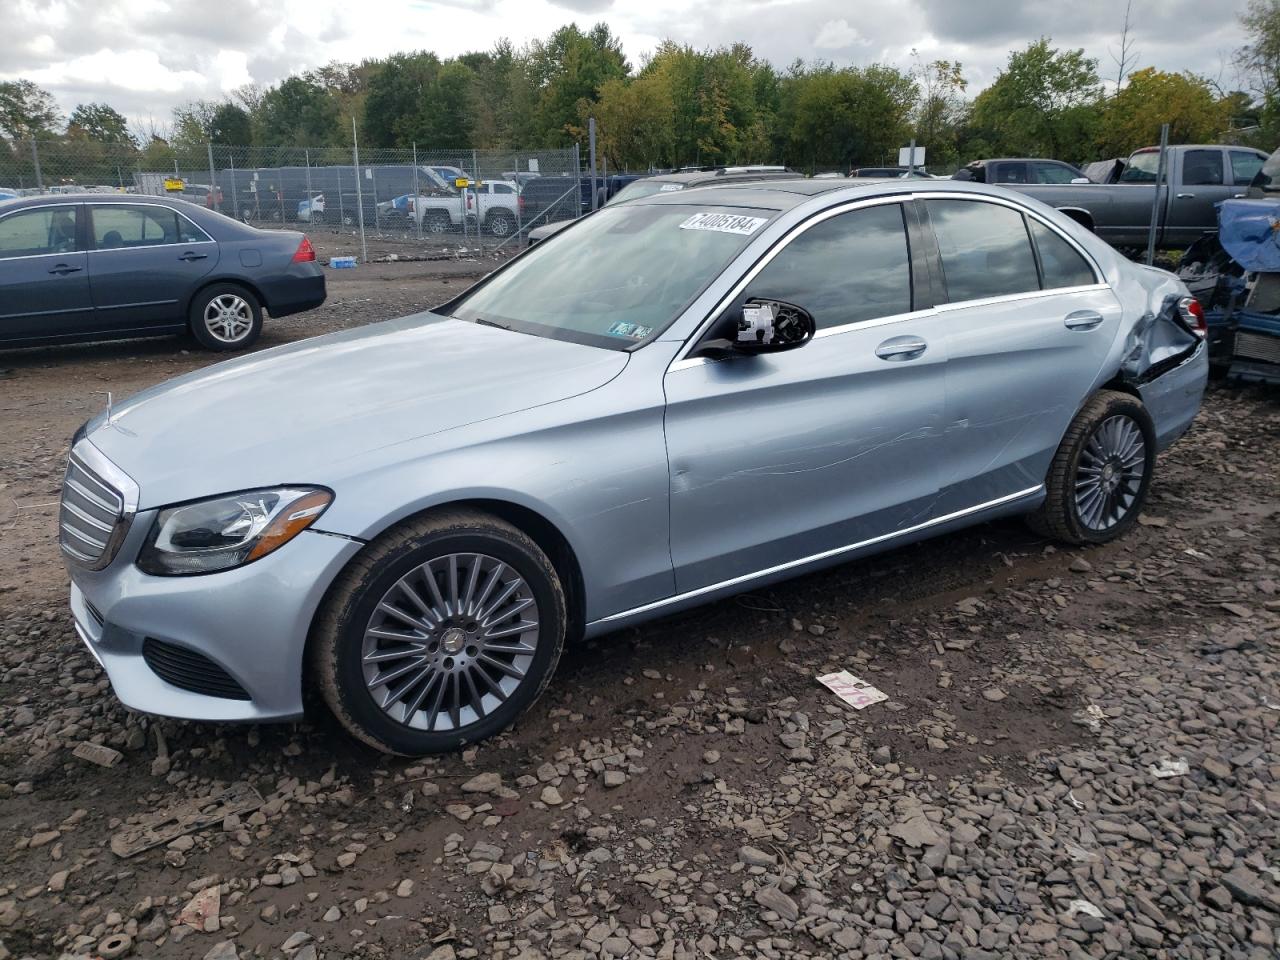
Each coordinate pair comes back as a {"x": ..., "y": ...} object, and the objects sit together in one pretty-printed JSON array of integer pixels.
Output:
[{"x": 1060, "y": 263}]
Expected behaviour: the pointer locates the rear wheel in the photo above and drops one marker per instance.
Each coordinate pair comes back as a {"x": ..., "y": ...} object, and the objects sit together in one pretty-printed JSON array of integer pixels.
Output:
[
  {"x": 501, "y": 223},
  {"x": 225, "y": 317},
  {"x": 439, "y": 634},
  {"x": 1099, "y": 478},
  {"x": 437, "y": 223}
]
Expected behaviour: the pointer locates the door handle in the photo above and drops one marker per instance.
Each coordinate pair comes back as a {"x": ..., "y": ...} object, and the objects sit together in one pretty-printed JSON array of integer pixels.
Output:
[
  {"x": 1238, "y": 196},
  {"x": 64, "y": 268},
  {"x": 1186, "y": 196},
  {"x": 192, "y": 255},
  {"x": 901, "y": 348},
  {"x": 1082, "y": 320}
]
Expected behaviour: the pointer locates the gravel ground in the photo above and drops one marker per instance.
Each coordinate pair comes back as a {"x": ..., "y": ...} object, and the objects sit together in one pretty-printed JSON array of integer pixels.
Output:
[{"x": 1077, "y": 757}]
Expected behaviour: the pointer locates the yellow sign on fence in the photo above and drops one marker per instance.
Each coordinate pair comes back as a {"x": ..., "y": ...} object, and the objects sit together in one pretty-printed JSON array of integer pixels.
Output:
[{"x": 175, "y": 184}]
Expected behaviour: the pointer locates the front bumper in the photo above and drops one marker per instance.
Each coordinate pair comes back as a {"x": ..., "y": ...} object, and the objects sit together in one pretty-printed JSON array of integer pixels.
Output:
[{"x": 252, "y": 622}]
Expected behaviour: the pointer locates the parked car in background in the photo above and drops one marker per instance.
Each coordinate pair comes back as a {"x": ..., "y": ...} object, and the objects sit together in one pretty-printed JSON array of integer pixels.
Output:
[
  {"x": 496, "y": 205},
  {"x": 8, "y": 194},
  {"x": 740, "y": 383},
  {"x": 201, "y": 194},
  {"x": 311, "y": 210},
  {"x": 1198, "y": 177},
  {"x": 1021, "y": 170},
  {"x": 889, "y": 173},
  {"x": 671, "y": 183},
  {"x": 99, "y": 267}
]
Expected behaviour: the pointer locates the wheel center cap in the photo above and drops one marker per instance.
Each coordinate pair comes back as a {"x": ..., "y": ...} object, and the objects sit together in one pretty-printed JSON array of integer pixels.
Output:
[{"x": 453, "y": 640}]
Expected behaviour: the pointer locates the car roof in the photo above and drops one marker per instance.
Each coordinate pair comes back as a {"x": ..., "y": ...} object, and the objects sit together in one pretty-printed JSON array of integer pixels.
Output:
[
  {"x": 786, "y": 194},
  {"x": 41, "y": 199},
  {"x": 975, "y": 163},
  {"x": 722, "y": 175}
]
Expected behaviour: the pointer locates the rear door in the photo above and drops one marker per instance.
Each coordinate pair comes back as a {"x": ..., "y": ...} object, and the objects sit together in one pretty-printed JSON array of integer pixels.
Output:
[
  {"x": 1029, "y": 326},
  {"x": 145, "y": 262},
  {"x": 1202, "y": 185},
  {"x": 781, "y": 458},
  {"x": 44, "y": 286}
]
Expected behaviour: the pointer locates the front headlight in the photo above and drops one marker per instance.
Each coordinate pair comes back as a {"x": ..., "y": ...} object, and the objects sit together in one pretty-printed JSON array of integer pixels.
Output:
[{"x": 228, "y": 531}]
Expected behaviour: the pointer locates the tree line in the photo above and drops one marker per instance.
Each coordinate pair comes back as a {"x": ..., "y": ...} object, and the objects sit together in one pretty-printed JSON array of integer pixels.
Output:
[{"x": 684, "y": 106}]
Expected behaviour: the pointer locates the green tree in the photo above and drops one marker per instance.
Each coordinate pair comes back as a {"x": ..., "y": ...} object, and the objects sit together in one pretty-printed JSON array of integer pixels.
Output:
[
  {"x": 1186, "y": 102},
  {"x": 100, "y": 123},
  {"x": 231, "y": 125},
  {"x": 572, "y": 66},
  {"x": 941, "y": 109},
  {"x": 1043, "y": 103},
  {"x": 414, "y": 98},
  {"x": 27, "y": 112},
  {"x": 299, "y": 113}
]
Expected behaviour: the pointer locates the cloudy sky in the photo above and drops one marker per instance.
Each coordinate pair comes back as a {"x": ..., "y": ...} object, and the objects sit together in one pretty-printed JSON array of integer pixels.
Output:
[{"x": 145, "y": 56}]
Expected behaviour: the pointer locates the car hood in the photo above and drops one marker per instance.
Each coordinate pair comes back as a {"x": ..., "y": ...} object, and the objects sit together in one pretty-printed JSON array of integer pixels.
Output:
[{"x": 316, "y": 410}]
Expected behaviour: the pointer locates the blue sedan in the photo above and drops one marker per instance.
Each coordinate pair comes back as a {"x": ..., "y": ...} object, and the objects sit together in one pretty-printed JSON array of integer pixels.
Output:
[{"x": 98, "y": 267}]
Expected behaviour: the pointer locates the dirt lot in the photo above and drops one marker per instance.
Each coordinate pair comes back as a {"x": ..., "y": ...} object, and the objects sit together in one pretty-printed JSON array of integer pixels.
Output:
[{"x": 1078, "y": 757}]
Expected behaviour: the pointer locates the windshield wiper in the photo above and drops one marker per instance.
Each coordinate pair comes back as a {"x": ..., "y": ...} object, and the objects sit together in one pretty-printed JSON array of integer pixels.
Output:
[{"x": 489, "y": 323}]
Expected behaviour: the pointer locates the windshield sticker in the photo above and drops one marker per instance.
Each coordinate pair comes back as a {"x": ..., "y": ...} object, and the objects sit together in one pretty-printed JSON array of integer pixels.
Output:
[
  {"x": 668, "y": 187},
  {"x": 724, "y": 223},
  {"x": 633, "y": 331}
]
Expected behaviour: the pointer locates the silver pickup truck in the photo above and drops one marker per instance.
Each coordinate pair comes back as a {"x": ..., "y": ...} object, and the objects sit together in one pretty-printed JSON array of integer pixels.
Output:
[{"x": 1196, "y": 177}]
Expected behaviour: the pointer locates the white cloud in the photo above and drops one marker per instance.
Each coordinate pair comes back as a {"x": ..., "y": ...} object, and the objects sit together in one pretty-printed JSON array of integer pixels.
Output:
[{"x": 838, "y": 35}]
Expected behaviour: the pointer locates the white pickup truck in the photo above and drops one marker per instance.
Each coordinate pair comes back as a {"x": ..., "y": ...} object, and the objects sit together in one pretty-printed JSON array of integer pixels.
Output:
[{"x": 495, "y": 204}]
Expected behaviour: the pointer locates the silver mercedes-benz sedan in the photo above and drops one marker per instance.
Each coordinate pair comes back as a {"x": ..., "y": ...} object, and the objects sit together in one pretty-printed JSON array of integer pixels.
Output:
[{"x": 674, "y": 400}]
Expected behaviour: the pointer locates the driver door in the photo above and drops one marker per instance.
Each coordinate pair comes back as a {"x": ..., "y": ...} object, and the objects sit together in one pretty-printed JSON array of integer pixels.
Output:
[{"x": 785, "y": 457}]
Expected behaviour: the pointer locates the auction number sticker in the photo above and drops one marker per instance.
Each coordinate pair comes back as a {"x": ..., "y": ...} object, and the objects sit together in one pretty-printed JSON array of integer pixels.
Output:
[{"x": 724, "y": 223}]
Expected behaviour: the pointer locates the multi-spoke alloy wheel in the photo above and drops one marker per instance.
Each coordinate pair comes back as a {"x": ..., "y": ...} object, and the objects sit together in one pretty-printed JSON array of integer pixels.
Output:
[
  {"x": 1098, "y": 480},
  {"x": 450, "y": 642},
  {"x": 439, "y": 633},
  {"x": 226, "y": 316}
]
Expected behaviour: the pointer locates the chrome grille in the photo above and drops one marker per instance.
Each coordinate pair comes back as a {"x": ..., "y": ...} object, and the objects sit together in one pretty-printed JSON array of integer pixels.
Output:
[
  {"x": 92, "y": 513},
  {"x": 1253, "y": 346}
]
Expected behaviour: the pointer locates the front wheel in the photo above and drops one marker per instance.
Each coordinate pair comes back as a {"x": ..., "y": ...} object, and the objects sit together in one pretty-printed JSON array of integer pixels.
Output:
[
  {"x": 1099, "y": 478},
  {"x": 501, "y": 224},
  {"x": 440, "y": 634},
  {"x": 225, "y": 317}
]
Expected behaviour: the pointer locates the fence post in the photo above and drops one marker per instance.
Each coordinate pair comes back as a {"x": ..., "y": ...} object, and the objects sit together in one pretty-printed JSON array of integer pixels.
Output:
[
  {"x": 591, "y": 135},
  {"x": 214, "y": 202},
  {"x": 235, "y": 196},
  {"x": 1155, "y": 200},
  {"x": 577, "y": 169},
  {"x": 35, "y": 159},
  {"x": 311, "y": 210},
  {"x": 475, "y": 179},
  {"x": 413, "y": 210},
  {"x": 355, "y": 156}
]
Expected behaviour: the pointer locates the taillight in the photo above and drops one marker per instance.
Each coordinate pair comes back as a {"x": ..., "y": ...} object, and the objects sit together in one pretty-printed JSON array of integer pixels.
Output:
[
  {"x": 520, "y": 203},
  {"x": 1193, "y": 315},
  {"x": 305, "y": 253}
]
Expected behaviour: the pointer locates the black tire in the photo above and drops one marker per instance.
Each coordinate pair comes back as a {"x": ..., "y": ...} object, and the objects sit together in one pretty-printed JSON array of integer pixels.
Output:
[
  {"x": 211, "y": 340},
  {"x": 337, "y": 637},
  {"x": 1059, "y": 515}
]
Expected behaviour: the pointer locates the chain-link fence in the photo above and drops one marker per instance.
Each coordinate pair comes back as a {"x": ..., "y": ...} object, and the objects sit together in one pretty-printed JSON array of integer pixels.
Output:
[{"x": 441, "y": 199}]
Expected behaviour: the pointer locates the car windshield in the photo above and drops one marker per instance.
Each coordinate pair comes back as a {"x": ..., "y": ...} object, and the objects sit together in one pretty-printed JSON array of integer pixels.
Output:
[
  {"x": 619, "y": 277},
  {"x": 643, "y": 188},
  {"x": 1142, "y": 167}
]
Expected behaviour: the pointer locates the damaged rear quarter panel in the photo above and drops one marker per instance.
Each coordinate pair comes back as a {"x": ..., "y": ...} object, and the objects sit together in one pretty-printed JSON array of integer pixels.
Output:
[{"x": 1160, "y": 357}]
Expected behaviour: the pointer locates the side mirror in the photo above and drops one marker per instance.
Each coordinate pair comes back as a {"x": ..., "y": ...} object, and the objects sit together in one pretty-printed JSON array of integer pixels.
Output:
[{"x": 771, "y": 326}]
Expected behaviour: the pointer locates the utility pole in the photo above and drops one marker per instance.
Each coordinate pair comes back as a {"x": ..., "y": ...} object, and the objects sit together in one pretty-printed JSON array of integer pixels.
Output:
[
  {"x": 591, "y": 140},
  {"x": 355, "y": 155}
]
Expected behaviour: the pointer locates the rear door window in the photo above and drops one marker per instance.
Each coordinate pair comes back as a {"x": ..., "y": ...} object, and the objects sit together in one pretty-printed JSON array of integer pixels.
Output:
[
  {"x": 117, "y": 227},
  {"x": 1060, "y": 263},
  {"x": 850, "y": 268},
  {"x": 984, "y": 248},
  {"x": 1202, "y": 168},
  {"x": 34, "y": 233}
]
